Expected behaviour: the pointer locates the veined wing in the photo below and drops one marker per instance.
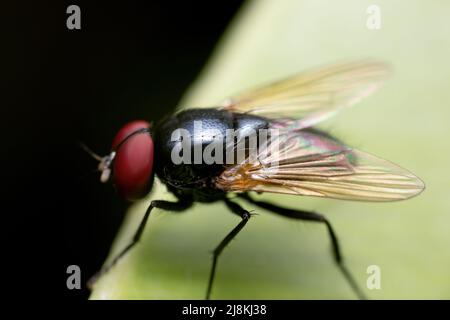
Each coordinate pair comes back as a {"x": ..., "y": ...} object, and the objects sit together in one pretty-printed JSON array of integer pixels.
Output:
[
  {"x": 310, "y": 163},
  {"x": 312, "y": 96}
]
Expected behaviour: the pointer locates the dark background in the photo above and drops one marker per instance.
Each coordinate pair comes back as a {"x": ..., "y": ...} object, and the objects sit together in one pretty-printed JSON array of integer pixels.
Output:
[{"x": 128, "y": 61}]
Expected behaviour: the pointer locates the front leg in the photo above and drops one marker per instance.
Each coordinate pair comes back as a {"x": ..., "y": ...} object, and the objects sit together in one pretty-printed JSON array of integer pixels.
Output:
[{"x": 181, "y": 205}]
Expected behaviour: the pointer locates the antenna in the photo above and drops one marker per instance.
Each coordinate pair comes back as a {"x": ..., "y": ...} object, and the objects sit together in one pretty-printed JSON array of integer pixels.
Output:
[{"x": 89, "y": 151}]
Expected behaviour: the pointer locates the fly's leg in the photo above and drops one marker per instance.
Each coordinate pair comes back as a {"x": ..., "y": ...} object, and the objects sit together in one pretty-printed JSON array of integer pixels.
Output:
[
  {"x": 314, "y": 217},
  {"x": 160, "y": 204},
  {"x": 245, "y": 216}
]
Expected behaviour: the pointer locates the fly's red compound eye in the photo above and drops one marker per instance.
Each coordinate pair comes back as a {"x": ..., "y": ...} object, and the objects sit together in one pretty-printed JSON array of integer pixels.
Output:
[{"x": 133, "y": 161}]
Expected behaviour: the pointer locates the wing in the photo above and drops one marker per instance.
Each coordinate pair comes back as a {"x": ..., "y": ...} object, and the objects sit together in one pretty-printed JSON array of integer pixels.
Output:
[
  {"x": 314, "y": 96},
  {"x": 311, "y": 163}
]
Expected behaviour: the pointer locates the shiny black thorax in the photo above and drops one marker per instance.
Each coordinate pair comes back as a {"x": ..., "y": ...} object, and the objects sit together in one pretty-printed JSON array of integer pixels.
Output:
[{"x": 197, "y": 179}]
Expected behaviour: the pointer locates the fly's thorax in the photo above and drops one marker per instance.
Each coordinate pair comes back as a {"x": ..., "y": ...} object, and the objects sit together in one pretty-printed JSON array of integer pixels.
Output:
[{"x": 197, "y": 144}]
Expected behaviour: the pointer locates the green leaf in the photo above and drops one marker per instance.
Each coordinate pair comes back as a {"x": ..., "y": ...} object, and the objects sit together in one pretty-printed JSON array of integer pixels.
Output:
[{"x": 273, "y": 257}]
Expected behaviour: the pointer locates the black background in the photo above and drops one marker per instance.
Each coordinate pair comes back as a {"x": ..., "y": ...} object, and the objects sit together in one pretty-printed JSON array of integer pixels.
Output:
[{"x": 62, "y": 86}]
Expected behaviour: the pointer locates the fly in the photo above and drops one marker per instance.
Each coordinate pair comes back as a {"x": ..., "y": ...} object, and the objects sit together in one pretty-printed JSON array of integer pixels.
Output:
[{"x": 291, "y": 158}]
